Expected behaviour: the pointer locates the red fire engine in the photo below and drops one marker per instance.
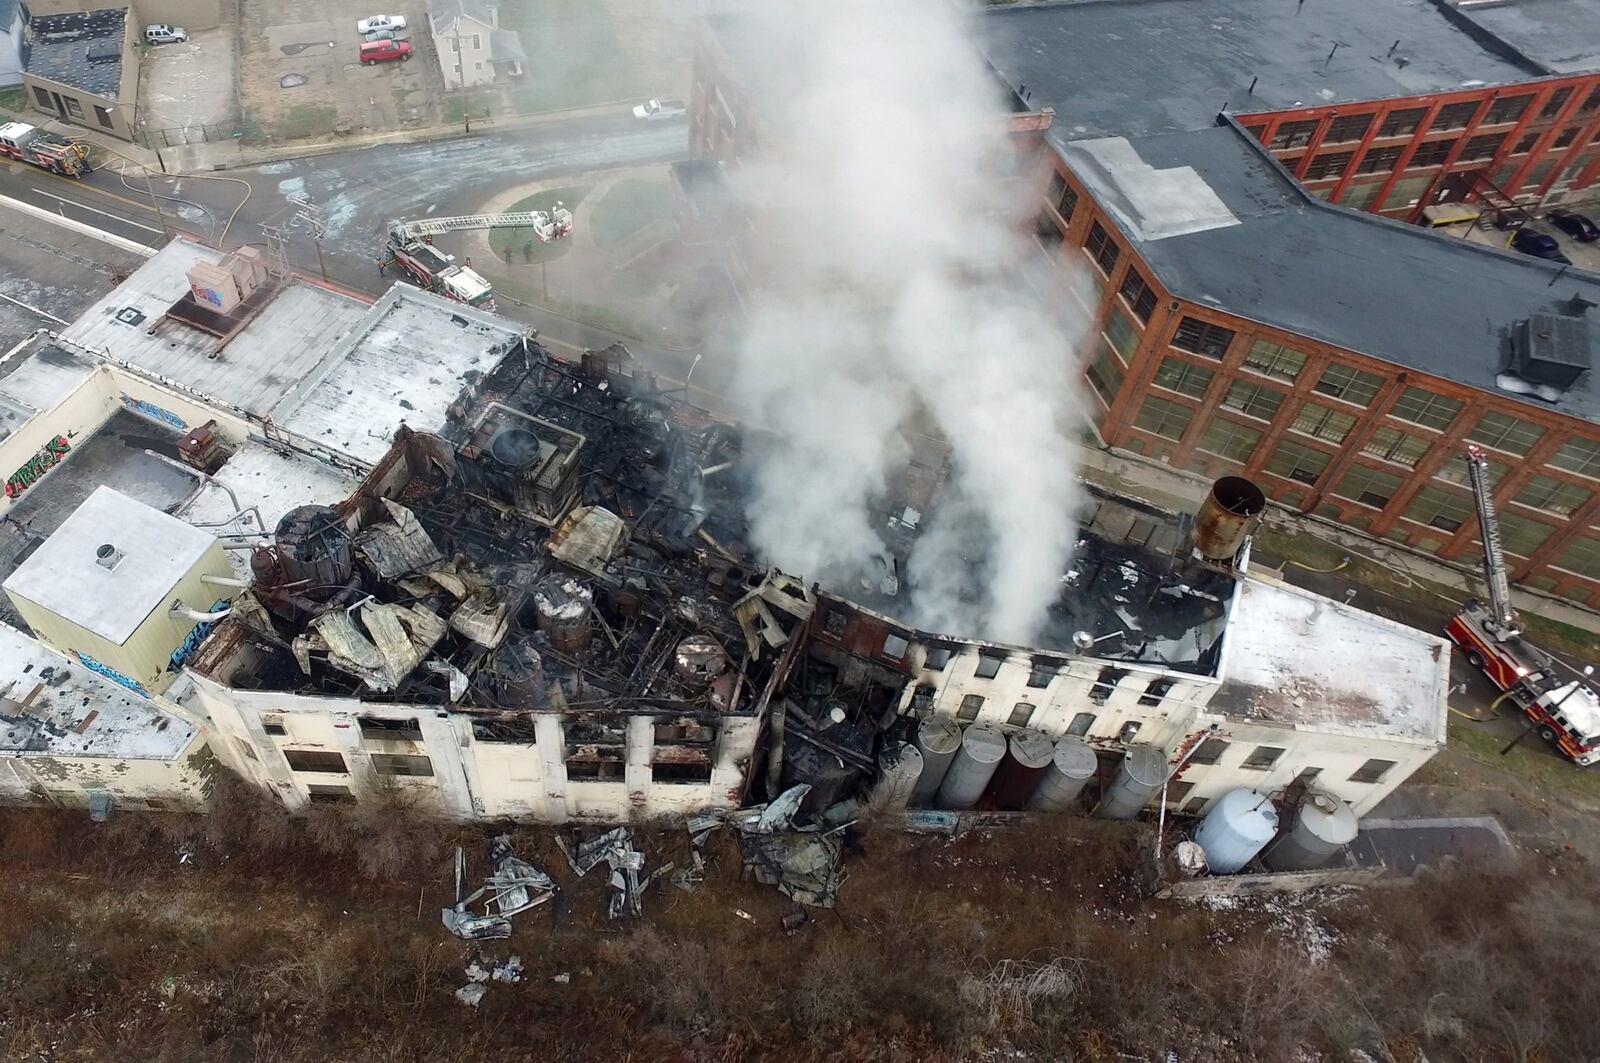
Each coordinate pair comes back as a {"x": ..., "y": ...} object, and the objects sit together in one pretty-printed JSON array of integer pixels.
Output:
[
  {"x": 34, "y": 146},
  {"x": 411, "y": 248}
]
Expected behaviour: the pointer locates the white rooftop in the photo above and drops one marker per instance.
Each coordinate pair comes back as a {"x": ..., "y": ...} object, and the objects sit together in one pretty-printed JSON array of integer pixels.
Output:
[
  {"x": 64, "y": 574},
  {"x": 1297, "y": 658},
  {"x": 73, "y": 712},
  {"x": 37, "y": 378}
]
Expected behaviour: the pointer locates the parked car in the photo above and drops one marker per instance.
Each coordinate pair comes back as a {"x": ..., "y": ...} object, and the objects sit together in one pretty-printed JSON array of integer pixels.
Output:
[
  {"x": 1539, "y": 245},
  {"x": 381, "y": 22},
  {"x": 654, "y": 110},
  {"x": 161, "y": 33},
  {"x": 388, "y": 35},
  {"x": 1575, "y": 225},
  {"x": 385, "y": 52}
]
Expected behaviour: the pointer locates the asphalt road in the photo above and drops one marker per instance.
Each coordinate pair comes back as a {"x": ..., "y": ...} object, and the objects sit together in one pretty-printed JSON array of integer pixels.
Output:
[
  {"x": 357, "y": 193},
  {"x": 49, "y": 275}
]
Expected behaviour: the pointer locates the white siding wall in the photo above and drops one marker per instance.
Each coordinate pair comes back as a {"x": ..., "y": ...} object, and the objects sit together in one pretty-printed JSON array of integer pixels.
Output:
[{"x": 473, "y": 62}]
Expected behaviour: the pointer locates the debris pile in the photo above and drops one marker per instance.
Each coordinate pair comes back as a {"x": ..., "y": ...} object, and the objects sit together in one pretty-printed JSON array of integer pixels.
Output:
[
  {"x": 513, "y": 886},
  {"x": 479, "y": 976},
  {"x": 615, "y": 848},
  {"x": 805, "y": 863}
]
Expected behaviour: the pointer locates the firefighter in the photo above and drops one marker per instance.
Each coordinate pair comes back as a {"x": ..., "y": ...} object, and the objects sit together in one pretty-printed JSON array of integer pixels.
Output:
[{"x": 527, "y": 251}]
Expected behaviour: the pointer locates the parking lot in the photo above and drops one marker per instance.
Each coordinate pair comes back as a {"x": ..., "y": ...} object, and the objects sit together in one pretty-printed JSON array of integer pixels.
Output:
[
  {"x": 1584, "y": 256},
  {"x": 301, "y": 75},
  {"x": 189, "y": 92}
]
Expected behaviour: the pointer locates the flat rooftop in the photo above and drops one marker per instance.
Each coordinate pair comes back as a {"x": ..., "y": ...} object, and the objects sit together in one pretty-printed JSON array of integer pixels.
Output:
[
  {"x": 1139, "y": 67},
  {"x": 80, "y": 48},
  {"x": 1561, "y": 36},
  {"x": 1223, "y": 225},
  {"x": 53, "y": 707},
  {"x": 1294, "y": 657},
  {"x": 36, "y": 378}
]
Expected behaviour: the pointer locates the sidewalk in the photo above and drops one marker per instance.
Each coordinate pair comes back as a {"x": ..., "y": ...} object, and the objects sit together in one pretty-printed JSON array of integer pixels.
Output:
[{"x": 108, "y": 146}]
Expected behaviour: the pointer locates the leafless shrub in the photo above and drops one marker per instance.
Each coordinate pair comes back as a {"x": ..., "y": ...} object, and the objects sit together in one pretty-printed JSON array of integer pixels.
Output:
[{"x": 1009, "y": 992}]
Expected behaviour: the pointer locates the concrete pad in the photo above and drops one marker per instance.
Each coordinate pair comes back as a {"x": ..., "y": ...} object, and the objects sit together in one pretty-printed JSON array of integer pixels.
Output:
[
  {"x": 1405, "y": 846},
  {"x": 318, "y": 33},
  {"x": 192, "y": 84}
]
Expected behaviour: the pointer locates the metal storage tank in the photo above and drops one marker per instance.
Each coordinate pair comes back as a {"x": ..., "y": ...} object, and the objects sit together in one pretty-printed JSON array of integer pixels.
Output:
[
  {"x": 899, "y": 768},
  {"x": 981, "y": 749},
  {"x": 1238, "y": 827},
  {"x": 1143, "y": 769},
  {"x": 1323, "y": 825},
  {"x": 1027, "y": 756},
  {"x": 314, "y": 551},
  {"x": 938, "y": 738},
  {"x": 1070, "y": 770},
  {"x": 1230, "y": 513},
  {"x": 561, "y": 609}
]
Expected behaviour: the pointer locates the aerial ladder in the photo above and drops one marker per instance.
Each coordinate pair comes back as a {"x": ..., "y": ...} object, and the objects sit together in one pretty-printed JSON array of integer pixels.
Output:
[
  {"x": 1565, "y": 713},
  {"x": 410, "y": 247}
]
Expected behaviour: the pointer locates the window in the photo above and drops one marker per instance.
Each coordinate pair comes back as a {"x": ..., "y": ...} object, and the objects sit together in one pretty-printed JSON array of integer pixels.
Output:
[
  {"x": 1432, "y": 152},
  {"x": 1105, "y": 683},
  {"x": 1591, "y": 103},
  {"x": 1270, "y": 359},
  {"x": 1155, "y": 690},
  {"x": 1253, "y": 400},
  {"x": 1105, "y": 373},
  {"x": 1438, "y": 508},
  {"x": 1262, "y": 758},
  {"x": 1581, "y": 456},
  {"x": 834, "y": 623},
  {"x": 1380, "y": 160},
  {"x": 895, "y": 646},
  {"x": 477, "y": 66},
  {"x": 391, "y": 764},
  {"x": 314, "y": 760},
  {"x": 1557, "y": 496},
  {"x": 1307, "y": 774},
  {"x": 1140, "y": 296},
  {"x": 1455, "y": 470},
  {"x": 1323, "y": 423},
  {"x": 1581, "y": 557},
  {"x": 938, "y": 657},
  {"x": 395, "y": 730},
  {"x": 1405, "y": 192},
  {"x": 1523, "y": 146},
  {"x": 1021, "y": 713},
  {"x": 1042, "y": 673},
  {"x": 273, "y": 727},
  {"x": 455, "y": 46},
  {"x": 971, "y": 705},
  {"x": 1185, "y": 378},
  {"x": 1558, "y": 99},
  {"x": 1402, "y": 123},
  {"x": 1372, "y": 771},
  {"x": 1370, "y": 487},
  {"x": 1508, "y": 109},
  {"x": 1566, "y": 137},
  {"x": 1455, "y": 115},
  {"x": 1391, "y": 444},
  {"x": 1102, "y": 249},
  {"x": 477, "y": 41},
  {"x": 1329, "y": 164},
  {"x": 1195, "y": 806},
  {"x": 1163, "y": 418},
  {"x": 103, "y": 116},
  {"x": 74, "y": 108},
  {"x": 1537, "y": 175},
  {"x": 1484, "y": 147},
  {"x": 1081, "y": 723},
  {"x": 1522, "y": 536},
  {"x": 1296, "y": 461},
  {"x": 1048, "y": 232},
  {"x": 1121, "y": 334},
  {"x": 697, "y": 770},
  {"x": 988, "y": 666},
  {"x": 330, "y": 795},
  {"x": 1503, "y": 432},
  {"x": 1062, "y": 196},
  {"x": 1210, "y": 751},
  {"x": 1351, "y": 385},
  {"x": 1197, "y": 337},
  {"x": 1426, "y": 408},
  {"x": 1350, "y": 127},
  {"x": 1129, "y": 730},
  {"x": 1177, "y": 791},
  {"x": 42, "y": 96},
  {"x": 1293, "y": 135},
  {"x": 1229, "y": 439}
]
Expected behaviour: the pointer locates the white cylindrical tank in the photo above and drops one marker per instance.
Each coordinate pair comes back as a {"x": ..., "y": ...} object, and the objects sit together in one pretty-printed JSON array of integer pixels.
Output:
[
  {"x": 938, "y": 738},
  {"x": 1143, "y": 769},
  {"x": 1322, "y": 826},
  {"x": 1071, "y": 768},
  {"x": 899, "y": 767},
  {"x": 1238, "y": 826},
  {"x": 981, "y": 749}
]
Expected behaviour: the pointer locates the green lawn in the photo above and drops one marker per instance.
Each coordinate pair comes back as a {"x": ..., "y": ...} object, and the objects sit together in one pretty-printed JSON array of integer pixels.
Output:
[
  {"x": 13, "y": 102},
  {"x": 627, "y": 207},
  {"x": 1532, "y": 759},
  {"x": 306, "y": 120},
  {"x": 588, "y": 65},
  {"x": 510, "y": 244}
]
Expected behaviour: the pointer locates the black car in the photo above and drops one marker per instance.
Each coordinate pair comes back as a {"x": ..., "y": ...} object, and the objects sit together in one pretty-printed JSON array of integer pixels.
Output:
[
  {"x": 1575, "y": 225},
  {"x": 1539, "y": 245}
]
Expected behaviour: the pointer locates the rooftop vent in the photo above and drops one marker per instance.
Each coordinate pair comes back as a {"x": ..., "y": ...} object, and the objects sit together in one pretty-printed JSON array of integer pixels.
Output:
[
  {"x": 1551, "y": 350},
  {"x": 105, "y": 52},
  {"x": 107, "y": 556}
]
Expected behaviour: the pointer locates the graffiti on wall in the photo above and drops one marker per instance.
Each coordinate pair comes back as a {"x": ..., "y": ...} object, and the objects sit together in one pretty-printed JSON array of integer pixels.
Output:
[
  {"x": 112, "y": 674},
  {"x": 153, "y": 412},
  {"x": 207, "y": 295},
  {"x": 192, "y": 641},
  {"x": 49, "y": 457}
]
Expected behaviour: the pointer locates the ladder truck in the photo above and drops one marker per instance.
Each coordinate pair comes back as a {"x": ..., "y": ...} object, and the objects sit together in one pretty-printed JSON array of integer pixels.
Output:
[
  {"x": 48, "y": 151},
  {"x": 1566, "y": 712},
  {"x": 410, "y": 247}
]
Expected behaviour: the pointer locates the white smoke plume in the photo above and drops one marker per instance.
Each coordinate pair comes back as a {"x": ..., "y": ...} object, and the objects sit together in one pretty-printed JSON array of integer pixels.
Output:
[{"x": 893, "y": 301}]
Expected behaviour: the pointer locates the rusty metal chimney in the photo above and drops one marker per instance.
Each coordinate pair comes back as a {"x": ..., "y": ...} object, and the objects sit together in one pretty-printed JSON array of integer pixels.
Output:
[{"x": 1228, "y": 516}]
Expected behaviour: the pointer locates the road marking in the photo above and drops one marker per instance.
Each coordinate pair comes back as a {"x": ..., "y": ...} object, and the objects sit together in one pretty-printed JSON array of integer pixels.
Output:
[
  {"x": 97, "y": 210},
  {"x": 34, "y": 309},
  {"x": 81, "y": 228}
]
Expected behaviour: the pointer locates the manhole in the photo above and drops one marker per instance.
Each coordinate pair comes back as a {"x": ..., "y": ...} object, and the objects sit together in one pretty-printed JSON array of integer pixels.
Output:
[{"x": 289, "y": 81}]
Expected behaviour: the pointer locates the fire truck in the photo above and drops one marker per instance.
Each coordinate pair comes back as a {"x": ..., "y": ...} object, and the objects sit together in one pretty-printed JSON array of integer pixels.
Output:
[
  {"x": 411, "y": 248},
  {"x": 1566, "y": 711},
  {"x": 34, "y": 146}
]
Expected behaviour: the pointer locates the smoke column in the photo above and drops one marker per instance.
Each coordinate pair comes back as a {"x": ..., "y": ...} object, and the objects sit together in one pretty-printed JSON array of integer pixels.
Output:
[{"x": 893, "y": 299}]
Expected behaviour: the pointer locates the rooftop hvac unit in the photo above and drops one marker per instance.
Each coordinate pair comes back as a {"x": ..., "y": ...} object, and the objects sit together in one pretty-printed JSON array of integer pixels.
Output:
[{"x": 1551, "y": 349}]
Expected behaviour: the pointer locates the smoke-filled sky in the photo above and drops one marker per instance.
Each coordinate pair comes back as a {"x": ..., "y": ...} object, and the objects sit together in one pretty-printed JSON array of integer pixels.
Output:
[{"x": 879, "y": 193}]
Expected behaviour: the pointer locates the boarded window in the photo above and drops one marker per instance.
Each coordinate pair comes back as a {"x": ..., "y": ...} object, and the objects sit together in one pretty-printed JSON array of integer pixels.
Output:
[
  {"x": 1081, "y": 723},
  {"x": 1177, "y": 791},
  {"x": 1372, "y": 771},
  {"x": 1021, "y": 713},
  {"x": 315, "y": 760},
  {"x": 330, "y": 795},
  {"x": 971, "y": 705},
  {"x": 1262, "y": 758}
]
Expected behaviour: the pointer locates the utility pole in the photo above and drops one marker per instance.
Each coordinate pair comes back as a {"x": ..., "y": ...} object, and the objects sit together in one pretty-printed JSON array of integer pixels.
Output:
[{"x": 311, "y": 214}]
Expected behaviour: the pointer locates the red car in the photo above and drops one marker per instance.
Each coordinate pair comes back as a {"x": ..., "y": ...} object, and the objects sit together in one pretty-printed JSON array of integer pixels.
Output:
[{"x": 385, "y": 51}]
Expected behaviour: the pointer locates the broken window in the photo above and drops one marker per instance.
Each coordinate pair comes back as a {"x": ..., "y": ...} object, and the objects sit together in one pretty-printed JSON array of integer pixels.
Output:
[
  {"x": 922, "y": 701},
  {"x": 1081, "y": 723},
  {"x": 681, "y": 771},
  {"x": 394, "y": 730},
  {"x": 315, "y": 760},
  {"x": 1177, "y": 791},
  {"x": 988, "y": 666},
  {"x": 971, "y": 705},
  {"x": 399, "y": 764},
  {"x": 1042, "y": 673},
  {"x": 1199, "y": 337},
  {"x": 938, "y": 657},
  {"x": 1195, "y": 806},
  {"x": 833, "y": 623},
  {"x": 1102, "y": 249},
  {"x": 332, "y": 795},
  {"x": 1105, "y": 683},
  {"x": 1293, "y": 134},
  {"x": 1262, "y": 758},
  {"x": 1128, "y": 731},
  {"x": 273, "y": 726},
  {"x": 895, "y": 646},
  {"x": 1155, "y": 690},
  {"x": 595, "y": 765},
  {"x": 1210, "y": 751},
  {"x": 1372, "y": 771},
  {"x": 1021, "y": 713}
]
